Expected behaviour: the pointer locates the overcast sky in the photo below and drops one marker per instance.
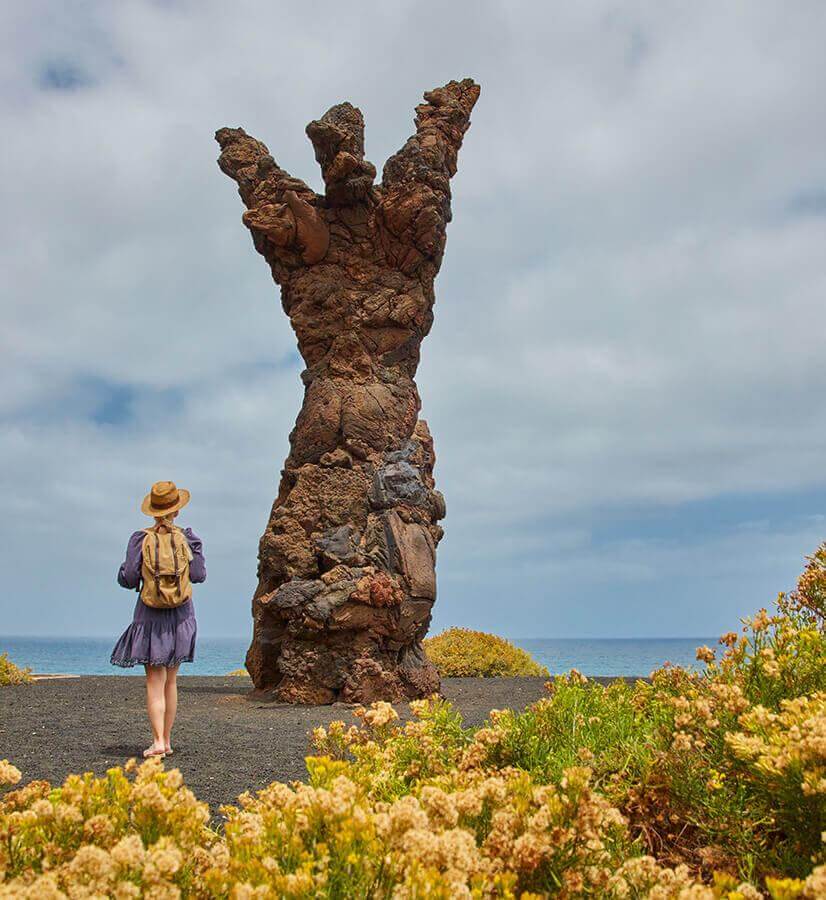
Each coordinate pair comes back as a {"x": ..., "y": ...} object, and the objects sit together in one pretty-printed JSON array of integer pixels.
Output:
[{"x": 625, "y": 379}]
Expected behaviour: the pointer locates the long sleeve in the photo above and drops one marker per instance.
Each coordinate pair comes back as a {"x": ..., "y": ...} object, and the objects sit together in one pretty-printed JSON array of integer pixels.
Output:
[
  {"x": 197, "y": 566},
  {"x": 129, "y": 574}
]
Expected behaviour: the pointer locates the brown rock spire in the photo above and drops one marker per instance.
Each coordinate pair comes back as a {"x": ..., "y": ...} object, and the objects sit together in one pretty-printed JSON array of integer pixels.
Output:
[{"x": 347, "y": 562}]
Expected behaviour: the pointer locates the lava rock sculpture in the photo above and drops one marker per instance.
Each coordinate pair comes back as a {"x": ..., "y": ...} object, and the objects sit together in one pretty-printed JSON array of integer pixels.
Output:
[{"x": 347, "y": 562}]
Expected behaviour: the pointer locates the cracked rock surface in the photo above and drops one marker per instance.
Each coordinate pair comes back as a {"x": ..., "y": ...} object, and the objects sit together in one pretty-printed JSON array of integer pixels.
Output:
[{"x": 347, "y": 562}]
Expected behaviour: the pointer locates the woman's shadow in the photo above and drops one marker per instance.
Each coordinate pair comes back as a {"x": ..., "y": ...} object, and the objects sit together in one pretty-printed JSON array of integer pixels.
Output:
[{"x": 124, "y": 750}]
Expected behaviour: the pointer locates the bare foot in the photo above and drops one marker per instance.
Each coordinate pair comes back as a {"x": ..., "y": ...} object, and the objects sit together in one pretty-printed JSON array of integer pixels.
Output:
[
  {"x": 154, "y": 750},
  {"x": 168, "y": 749}
]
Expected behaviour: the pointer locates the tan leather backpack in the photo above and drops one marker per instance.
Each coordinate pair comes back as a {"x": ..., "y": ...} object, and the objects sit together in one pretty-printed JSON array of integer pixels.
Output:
[{"x": 165, "y": 568}]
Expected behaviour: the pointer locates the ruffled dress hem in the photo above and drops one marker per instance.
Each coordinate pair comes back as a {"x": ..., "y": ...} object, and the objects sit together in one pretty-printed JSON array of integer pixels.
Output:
[
  {"x": 128, "y": 663},
  {"x": 157, "y": 637}
]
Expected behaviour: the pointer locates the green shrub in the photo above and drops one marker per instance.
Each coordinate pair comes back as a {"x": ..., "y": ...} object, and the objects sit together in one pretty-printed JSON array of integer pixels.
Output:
[
  {"x": 462, "y": 653},
  {"x": 12, "y": 674}
]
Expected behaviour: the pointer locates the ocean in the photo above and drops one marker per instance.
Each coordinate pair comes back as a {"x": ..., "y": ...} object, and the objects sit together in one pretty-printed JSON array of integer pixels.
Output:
[{"x": 218, "y": 656}]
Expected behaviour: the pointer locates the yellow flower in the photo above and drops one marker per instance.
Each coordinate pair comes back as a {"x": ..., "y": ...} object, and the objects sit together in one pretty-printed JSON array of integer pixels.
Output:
[
  {"x": 129, "y": 852},
  {"x": 705, "y": 654},
  {"x": 715, "y": 780},
  {"x": 784, "y": 888},
  {"x": 682, "y": 741},
  {"x": 761, "y": 621},
  {"x": 380, "y": 713},
  {"x": 92, "y": 867},
  {"x": 9, "y": 774},
  {"x": 815, "y": 885}
]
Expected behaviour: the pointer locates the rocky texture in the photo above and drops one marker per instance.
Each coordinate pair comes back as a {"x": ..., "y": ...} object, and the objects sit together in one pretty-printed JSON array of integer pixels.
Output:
[{"x": 347, "y": 562}]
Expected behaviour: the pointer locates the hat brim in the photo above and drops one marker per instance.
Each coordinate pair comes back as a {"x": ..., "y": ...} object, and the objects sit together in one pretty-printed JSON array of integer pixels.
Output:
[{"x": 149, "y": 510}]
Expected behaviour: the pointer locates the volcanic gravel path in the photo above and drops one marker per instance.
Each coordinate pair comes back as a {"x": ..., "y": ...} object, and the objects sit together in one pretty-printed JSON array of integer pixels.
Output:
[{"x": 224, "y": 743}]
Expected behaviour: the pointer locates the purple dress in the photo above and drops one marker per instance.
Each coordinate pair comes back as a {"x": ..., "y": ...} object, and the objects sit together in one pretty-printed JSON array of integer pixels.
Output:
[{"x": 158, "y": 637}]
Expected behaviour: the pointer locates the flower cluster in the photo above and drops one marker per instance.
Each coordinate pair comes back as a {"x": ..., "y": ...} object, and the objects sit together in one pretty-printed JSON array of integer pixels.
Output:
[
  {"x": 463, "y": 835},
  {"x": 784, "y": 763},
  {"x": 116, "y": 835},
  {"x": 791, "y": 742}
]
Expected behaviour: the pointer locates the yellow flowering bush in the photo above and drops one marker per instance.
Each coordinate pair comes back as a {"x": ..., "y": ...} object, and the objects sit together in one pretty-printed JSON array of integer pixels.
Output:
[
  {"x": 709, "y": 792},
  {"x": 469, "y": 834},
  {"x": 462, "y": 653},
  {"x": 494, "y": 834},
  {"x": 389, "y": 757},
  {"x": 692, "y": 785},
  {"x": 101, "y": 836},
  {"x": 784, "y": 756},
  {"x": 12, "y": 674}
]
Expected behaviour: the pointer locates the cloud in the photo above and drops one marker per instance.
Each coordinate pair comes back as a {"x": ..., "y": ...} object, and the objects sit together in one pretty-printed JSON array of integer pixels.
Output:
[{"x": 627, "y": 321}]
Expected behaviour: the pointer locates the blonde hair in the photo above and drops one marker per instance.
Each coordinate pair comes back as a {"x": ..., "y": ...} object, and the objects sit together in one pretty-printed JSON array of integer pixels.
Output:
[{"x": 165, "y": 521}]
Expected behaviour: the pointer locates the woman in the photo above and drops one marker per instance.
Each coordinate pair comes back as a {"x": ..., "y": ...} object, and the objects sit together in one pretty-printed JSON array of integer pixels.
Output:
[{"x": 162, "y": 562}]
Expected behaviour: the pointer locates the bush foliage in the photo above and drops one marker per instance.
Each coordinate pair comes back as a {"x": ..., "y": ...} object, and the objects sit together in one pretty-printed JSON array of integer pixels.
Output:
[
  {"x": 697, "y": 785},
  {"x": 12, "y": 674},
  {"x": 462, "y": 653}
]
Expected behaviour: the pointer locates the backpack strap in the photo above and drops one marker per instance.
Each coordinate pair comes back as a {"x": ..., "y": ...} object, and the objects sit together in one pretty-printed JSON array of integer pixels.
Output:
[
  {"x": 141, "y": 582},
  {"x": 175, "y": 559},
  {"x": 157, "y": 563}
]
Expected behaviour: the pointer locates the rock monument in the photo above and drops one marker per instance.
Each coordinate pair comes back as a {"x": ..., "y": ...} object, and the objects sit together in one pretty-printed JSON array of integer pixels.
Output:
[{"x": 346, "y": 572}]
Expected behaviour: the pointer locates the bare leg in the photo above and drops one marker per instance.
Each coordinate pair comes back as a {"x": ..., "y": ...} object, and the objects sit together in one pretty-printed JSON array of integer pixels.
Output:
[
  {"x": 155, "y": 703},
  {"x": 171, "y": 708}
]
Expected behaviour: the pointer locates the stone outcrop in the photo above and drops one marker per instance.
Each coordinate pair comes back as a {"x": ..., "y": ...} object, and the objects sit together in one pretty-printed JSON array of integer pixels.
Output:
[{"x": 347, "y": 562}]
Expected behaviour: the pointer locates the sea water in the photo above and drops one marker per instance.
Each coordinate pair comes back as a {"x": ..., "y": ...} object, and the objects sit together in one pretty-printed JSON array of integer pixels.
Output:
[{"x": 218, "y": 656}]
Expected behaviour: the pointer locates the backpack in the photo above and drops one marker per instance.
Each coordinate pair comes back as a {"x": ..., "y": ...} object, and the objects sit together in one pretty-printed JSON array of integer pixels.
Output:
[{"x": 165, "y": 568}]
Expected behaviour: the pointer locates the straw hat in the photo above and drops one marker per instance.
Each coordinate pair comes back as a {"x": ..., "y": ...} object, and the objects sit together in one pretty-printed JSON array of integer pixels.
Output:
[{"x": 164, "y": 498}]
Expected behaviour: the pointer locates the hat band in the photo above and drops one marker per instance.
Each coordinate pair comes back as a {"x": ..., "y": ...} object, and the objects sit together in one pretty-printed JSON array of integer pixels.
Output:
[{"x": 159, "y": 504}]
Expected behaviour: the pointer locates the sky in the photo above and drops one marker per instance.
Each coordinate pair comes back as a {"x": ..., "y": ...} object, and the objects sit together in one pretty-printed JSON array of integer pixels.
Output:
[{"x": 625, "y": 377}]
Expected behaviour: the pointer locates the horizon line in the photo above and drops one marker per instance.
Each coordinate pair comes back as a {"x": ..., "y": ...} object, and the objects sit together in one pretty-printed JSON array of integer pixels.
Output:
[{"x": 232, "y": 637}]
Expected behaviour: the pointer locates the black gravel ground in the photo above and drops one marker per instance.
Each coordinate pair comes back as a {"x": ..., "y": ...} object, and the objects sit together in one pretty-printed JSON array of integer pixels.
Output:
[{"x": 224, "y": 744}]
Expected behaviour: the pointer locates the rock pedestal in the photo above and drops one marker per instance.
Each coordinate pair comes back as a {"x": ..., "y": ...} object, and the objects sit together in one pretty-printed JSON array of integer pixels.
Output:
[{"x": 347, "y": 562}]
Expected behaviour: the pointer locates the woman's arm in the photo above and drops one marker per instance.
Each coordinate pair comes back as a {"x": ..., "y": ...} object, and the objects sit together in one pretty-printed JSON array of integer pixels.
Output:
[
  {"x": 197, "y": 566},
  {"x": 129, "y": 574}
]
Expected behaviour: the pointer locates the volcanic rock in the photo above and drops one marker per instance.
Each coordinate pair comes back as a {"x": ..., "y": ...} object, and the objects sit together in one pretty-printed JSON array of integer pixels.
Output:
[{"x": 346, "y": 571}]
